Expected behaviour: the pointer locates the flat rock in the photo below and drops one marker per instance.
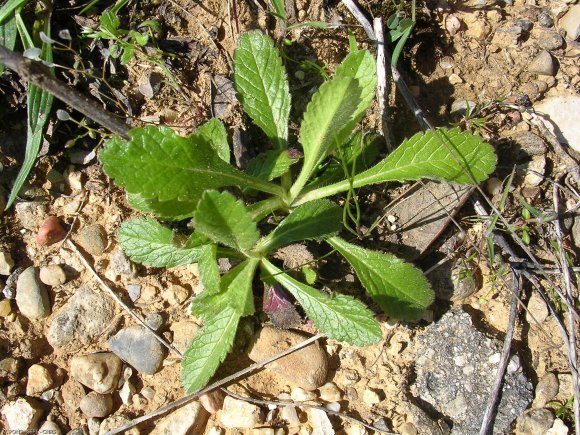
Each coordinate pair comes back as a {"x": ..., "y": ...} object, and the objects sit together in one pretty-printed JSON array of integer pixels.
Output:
[
  {"x": 52, "y": 275},
  {"x": 98, "y": 371},
  {"x": 138, "y": 347},
  {"x": 543, "y": 64},
  {"x": 563, "y": 112},
  {"x": 570, "y": 23},
  {"x": 311, "y": 360},
  {"x": 239, "y": 414},
  {"x": 82, "y": 319},
  {"x": 31, "y": 295},
  {"x": 96, "y": 405},
  {"x": 6, "y": 263},
  {"x": 189, "y": 419},
  {"x": 456, "y": 369},
  {"x": 22, "y": 414},
  {"x": 93, "y": 239},
  {"x": 39, "y": 380},
  {"x": 529, "y": 144}
]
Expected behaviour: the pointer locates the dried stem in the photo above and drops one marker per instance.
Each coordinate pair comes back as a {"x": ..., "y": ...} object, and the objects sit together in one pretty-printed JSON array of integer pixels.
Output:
[{"x": 382, "y": 82}]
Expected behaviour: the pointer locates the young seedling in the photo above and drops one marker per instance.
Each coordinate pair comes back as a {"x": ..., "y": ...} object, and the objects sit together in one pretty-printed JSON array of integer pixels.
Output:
[{"x": 177, "y": 178}]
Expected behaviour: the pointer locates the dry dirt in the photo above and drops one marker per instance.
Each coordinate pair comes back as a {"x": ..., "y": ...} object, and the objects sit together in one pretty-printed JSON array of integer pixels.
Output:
[{"x": 480, "y": 62}]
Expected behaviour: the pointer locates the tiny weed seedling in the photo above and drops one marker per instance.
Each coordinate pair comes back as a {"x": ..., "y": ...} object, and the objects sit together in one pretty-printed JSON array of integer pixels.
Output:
[{"x": 177, "y": 178}]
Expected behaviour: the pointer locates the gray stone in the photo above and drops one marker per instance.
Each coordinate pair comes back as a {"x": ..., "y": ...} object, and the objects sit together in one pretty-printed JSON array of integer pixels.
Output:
[
  {"x": 22, "y": 414},
  {"x": 93, "y": 239},
  {"x": 83, "y": 318},
  {"x": 30, "y": 214},
  {"x": 456, "y": 371},
  {"x": 52, "y": 275},
  {"x": 139, "y": 348},
  {"x": 134, "y": 291},
  {"x": 550, "y": 40},
  {"x": 189, "y": 419},
  {"x": 546, "y": 390},
  {"x": 122, "y": 265},
  {"x": 6, "y": 263},
  {"x": 461, "y": 107},
  {"x": 98, "y": 371},
  {"x": 96, "y": 405},
  {"x": 570, "y": 23},
  {"x": 535, "y": 422},
  {"x": 530, "y": 144},
  {"x": 543, "y": 64},
  {"x": 212, "y": 401},
  {"x": 9, "y": 291},
  {"x": 239, "y": 414},
  {"x": 312, "y": 359},
  {"x": 562, "y": 111},
  {"x": 154, "y": 321},
  {"x": 31, "y": 295}
]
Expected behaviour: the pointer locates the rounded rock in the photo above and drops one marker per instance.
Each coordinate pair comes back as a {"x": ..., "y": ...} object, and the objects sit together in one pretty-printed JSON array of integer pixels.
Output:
[
  {"x": 543, "y": 64},
  {"x": 529, "y": 143},
  {"x": 98, "y": 371},
  {"x": 537, "y": 310},
  {"x": 93, "y": 239},
  {"x": 408, "y": 429},
  {"x": 52, "y": 275},
  {"x": 546, "y": 390},
  {"x": 96, "y": 405},
  {"x": 39, "y": 380},
  {"x": 31, "y": 295},
  {"x": 329, "y": 392},
  {"x": 545, "y": 19},
  {"x": 51, "y": 231},
  {"x": 371, "y": 397},
  {"x": 550, "y": 40},
  {"x": 6, "y": 263},
  {"x": 139, "y": 348},
  {"x": 22, "y": 414},
  {"x": 312, "y": 359}
]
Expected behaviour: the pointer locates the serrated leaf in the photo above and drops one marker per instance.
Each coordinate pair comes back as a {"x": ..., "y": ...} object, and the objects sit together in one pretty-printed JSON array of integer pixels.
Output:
[
  {"x": 214, "y": 132},
  {"x": 208, "y": 349},
  {"x": 314, "y": 220},
  {"x": 146, "y": 241},
  {"x": 172, "y": 210},
  {"x": 224, "y": 219},
  {"x": 235, "y": 290},
  {"x": 399, "y": 288},
  {"x": 334, "y": 111},
  {"x": 338, "y": 316},
  {"x": 262, "y": 85},
  {"x": 159, "y": 164},
  {"x": 209, "y": 271},
  {"x": 424, "y": 156},
  {"x": 270, "y": 164}
]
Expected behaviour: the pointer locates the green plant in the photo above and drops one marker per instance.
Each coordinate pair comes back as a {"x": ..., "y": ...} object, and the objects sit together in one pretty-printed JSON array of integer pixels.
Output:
[
  {"x": 178, "y": 178},
  {"x": 400, "y": 28},
  {"x": 39, "y": 102}
]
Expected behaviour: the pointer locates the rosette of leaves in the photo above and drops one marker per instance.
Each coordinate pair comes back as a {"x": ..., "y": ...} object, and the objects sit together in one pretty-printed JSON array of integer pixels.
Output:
[{"x": 176, "y": 178}]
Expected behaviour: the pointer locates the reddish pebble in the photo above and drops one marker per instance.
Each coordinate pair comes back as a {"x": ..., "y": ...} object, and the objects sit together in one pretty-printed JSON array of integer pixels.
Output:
[{"x": 51, "y": 231}]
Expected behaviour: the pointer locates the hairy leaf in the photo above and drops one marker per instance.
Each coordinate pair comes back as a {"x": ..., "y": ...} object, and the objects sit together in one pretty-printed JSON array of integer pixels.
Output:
[
  {"x": 214, "y": 132},
  {"x": 338, "y": 316},
  {"x": 398, "y": 287},
  {"x": 172, "y": 210},
  {"x": 148, "y": 242},
  {"x": 224, "y": 219},
  {"x": 209, "y": 271},
  {"x": 208, "y": 349},
  {"x": 314, "y": 220},
  {"x": 270, "y": 164},
  {"x": 425, "y": 156},
  {"x": 334, "y": 111},
  {"x": 262, "y": 85},
  {"x": 159, "y": 164},
  {"x": 235, "y": 290}
]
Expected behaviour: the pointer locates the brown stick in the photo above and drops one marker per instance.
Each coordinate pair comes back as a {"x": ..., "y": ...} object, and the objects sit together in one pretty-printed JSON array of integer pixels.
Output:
[{"x": 38, "y": 74}]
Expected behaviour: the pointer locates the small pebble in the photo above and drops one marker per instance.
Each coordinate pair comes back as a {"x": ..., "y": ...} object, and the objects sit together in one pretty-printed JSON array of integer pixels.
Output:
[
  {"x": 371, "y": 397},
  {"x": 545, "y": 19},
  {"x": 134, "y": 291},
  {"x": 237, "y": 414},
  {"x": 462, "y": 107},
  {"x": 39, "y": 380},
  {"x": 558, "y": 428},
  {"x": 96, "y": 405},
  {"x": 81, "y": 157},
  {"x": 98, "y": 371},
  {"x": 546, "y": 390},
  {"x": 408, "y": 429},
  {"x": 493, "y": 186},
  {"x": 6, "y": 263},
  {"x": 52, "y": 275},
  {"x": 188, "y": 419},
  {"x": 454, "y": 79},
  {"x": 543, "y": 64},
  {"x": 127, "y": 392},
  {"x": 50, "y": 428},
  {"x": 175, "y": 294},
  {"x": 535, "y": 171},
  {"x": 319, "y": 421},
  {"x": 529, "y": 144},
  {"x": 452, "y": 24},
  {"x": 75, "y": 180},
  {"x": 114, "y": 422},
  {"x": 94, "y": 425},
  {"x": 212, "y": 401},
  {"x": 526, "y": 25},
  {"x": 5, "y": 308},
  {"x": 535, "y": 421},
  {"x": 333, "y": 406},
  {"x": 31, "y": 295},
  {"x": 122, "y": 265},
  {"x": 30, "y": 214},
  {"x": 139, "y": 348},
  {"x": 22, "y": 414},
  {"x": 329, "y": 392},
  {"x": 148, "y": 393},
  {"x": 51, "y": 231},
  {"x": 537, "y": 310},
  {"x": 154, "y": 321},
  {"x": 550, "y": 40},
  {"x": 301, "y": 395},
  {"x": 9, "y": 368},
  {"x": 93, "y": 239}
]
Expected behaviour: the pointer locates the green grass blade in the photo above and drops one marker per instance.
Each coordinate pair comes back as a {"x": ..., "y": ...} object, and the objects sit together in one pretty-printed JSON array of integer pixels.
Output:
[
  {"x": 8, "y": 36},
  {"x": 9, "y": 7}
]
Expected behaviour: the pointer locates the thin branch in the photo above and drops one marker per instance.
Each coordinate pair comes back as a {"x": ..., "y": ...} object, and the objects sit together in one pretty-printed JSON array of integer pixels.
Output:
[
  {"x": 382, "y": 82},
  {"x": 120, "y": 301},
  {"x": 304, "y": 405},
  {"x": 217, "y": 384},
  {"x": 488, "y": 416},
  {"x": 39, "y": 74}
]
